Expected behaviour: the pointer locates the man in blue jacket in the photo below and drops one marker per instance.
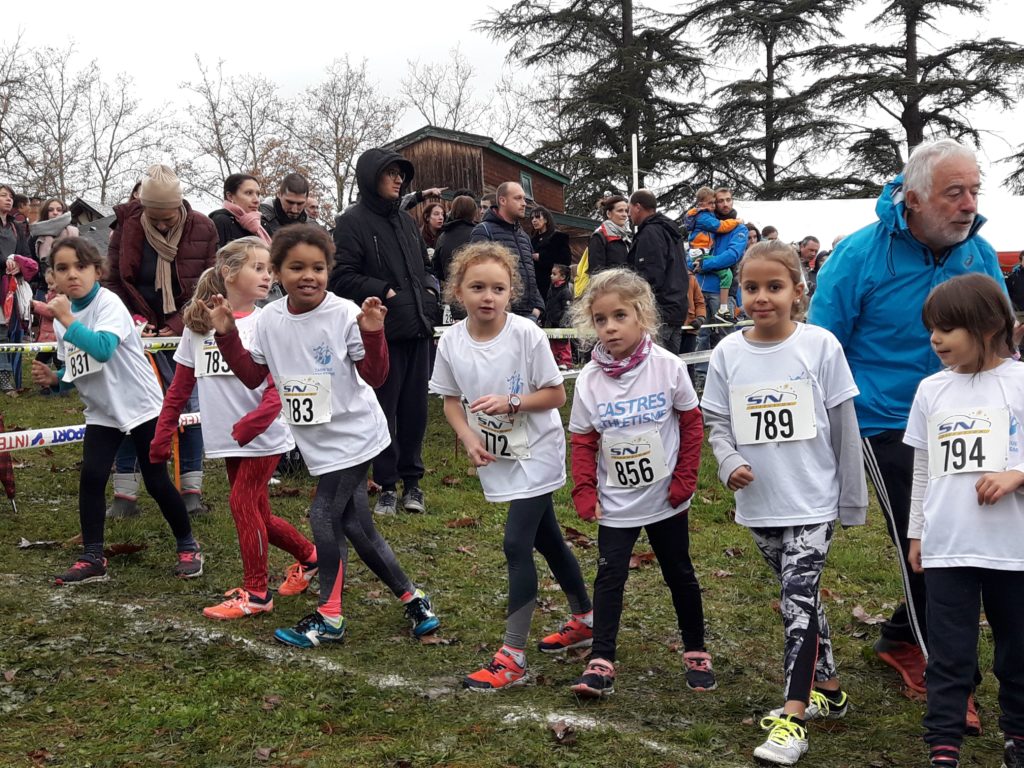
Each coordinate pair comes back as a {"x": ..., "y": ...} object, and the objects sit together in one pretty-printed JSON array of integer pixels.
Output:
[{"x": 870, "y": 294}]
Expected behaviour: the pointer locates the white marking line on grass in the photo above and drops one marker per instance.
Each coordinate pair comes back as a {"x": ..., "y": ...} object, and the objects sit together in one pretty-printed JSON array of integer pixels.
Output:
[{"x": 147, "y": 626}]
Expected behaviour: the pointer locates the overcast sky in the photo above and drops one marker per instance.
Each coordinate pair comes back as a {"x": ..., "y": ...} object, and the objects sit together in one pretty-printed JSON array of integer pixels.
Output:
[{"x": 292, "y": 42}]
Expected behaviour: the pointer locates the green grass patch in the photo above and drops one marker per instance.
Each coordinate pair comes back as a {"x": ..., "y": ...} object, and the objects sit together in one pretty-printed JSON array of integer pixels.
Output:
[{"x": 129, "y": 673}]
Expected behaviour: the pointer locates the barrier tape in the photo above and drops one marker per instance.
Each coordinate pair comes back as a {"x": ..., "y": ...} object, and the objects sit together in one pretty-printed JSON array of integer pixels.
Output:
[
  {"x": 47, "y": 436},
  {"x": 171, "y": 342}
]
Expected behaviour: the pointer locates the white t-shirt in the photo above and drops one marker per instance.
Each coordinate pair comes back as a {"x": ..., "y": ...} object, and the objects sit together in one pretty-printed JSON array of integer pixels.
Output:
[
  {"x": 223, "y": 399},
  {"x": 958, "y": 532},
  {"x": 324, "y": 344},
  {"x": 795, "y": 482},
  {"x": 122, "y": 392},
  {"x": 641, "y": 404},
  {"x": 516, "y": 361}
]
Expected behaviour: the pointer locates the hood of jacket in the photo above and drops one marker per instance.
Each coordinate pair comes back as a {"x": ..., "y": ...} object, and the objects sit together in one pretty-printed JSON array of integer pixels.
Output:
[
  {"x": 665, "y": 223},
  {"x": 368, "y": 169}
]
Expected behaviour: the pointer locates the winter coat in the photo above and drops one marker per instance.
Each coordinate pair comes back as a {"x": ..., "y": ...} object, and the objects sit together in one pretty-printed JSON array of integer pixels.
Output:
[
  {"x": 228, "y": 228},
  {"x": 512, "y": 236},
  {"x": 1015, "y": 287},
  {"x": 557, "y": 305},
  {"x": 197, "y": 250},
  {"x": 551, "y": 248},
  {"x": 379, "y": 249},
  {"x": 13, "y": 238},
  {"x": 274, "y": 217},
  {"x": 701, "y": 227},
  {"x": 657, "y": 255},
  {"x": 697, "y": 306},
  {"x": 870, "y": 294},
  {"x": 728, "y": 249},
  {"x": 605, "y": 251},
  {"x": 454, "y": 235}
]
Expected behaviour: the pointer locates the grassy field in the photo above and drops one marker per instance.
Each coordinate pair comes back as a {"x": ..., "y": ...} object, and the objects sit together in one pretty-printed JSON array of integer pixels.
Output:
[{"x": 129, "y": 673}]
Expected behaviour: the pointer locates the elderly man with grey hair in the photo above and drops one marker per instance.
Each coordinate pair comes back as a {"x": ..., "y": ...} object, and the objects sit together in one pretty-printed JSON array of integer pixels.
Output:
[{"x": 870, "y": 294}]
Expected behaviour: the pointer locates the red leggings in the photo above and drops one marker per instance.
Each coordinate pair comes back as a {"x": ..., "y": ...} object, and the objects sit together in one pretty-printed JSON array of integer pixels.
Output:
[{"x": 255, "y": 523}]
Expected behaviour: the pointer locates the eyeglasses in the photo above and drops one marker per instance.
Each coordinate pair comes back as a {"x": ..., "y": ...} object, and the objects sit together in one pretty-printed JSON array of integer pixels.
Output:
[{"x": 394, "y": 173}]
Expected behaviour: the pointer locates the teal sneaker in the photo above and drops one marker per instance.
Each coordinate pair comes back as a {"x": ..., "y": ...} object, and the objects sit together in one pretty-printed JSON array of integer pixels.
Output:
[
  {"x": 310, "y": 632},
  {"x": 421, "y": 614}
]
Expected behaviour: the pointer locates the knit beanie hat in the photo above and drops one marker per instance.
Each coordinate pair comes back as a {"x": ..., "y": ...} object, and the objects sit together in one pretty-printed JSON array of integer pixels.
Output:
[{"x": 161, "y": 188}]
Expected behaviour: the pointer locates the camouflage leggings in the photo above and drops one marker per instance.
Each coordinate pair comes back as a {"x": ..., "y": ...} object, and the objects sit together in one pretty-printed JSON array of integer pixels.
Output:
[{"x": 797, "y": 556}]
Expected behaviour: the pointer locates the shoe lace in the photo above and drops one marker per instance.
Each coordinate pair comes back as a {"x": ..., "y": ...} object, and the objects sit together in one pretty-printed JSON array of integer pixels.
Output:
[
  {"x": 781, "y": 729},
  {"x": 294, "y": 572},
  {"x": 570, "y": 628},
  {"x": 821, "y": 701},
  {"x": 417, "y": 609},
  {"x": 599, "y": 667},
  {"x": 236, "y": 596},
  {"x": 312, "y": 621},
  {"x": 188, "y": 557},
  {"x": 81, "y": 565},
  {"x": 697, "y": 664}
]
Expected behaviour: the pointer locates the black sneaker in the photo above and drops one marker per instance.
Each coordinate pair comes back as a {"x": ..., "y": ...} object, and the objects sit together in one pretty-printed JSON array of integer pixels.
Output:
[
  {"x": 419, "y": 612},
  {"x": 189, "y": 565},
  {"x": 598, "y": 680},
  {"x": 699, "y": 674},
  {"x": 945, "y": 757},
  {"x": 387, "y": 503},
  {"x": 1013, "y": 754},
  {"x": 83, "y": 571},
  {"x": 412, "y": 500}
]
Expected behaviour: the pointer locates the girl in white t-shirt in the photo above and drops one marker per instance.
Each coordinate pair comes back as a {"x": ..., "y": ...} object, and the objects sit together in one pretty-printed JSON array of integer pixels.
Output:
[
  {"x": 243, "y": 426},
  {"x": 502, "y": 390},
  {"x": 636, "y": 440},
  {"x": 779, "y": 401},
  {"x": 103, "y": 359},
  {"x": 966, "y": 528},
  {"x": 325, "y": 356}
]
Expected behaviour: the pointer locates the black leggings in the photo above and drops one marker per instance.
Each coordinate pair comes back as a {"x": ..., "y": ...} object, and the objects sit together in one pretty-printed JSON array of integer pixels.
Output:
[
  {"x": 532, "y": 525},
  {"x": 670, "y": 540},
  {"x": 98, "y": 451}
]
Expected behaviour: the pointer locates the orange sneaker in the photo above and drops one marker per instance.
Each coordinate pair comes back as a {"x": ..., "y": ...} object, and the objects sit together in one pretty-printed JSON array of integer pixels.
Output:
[
  {"x": 575, "y": 634},
  {"x": 296, "y": 579},
  {"x": 502, "y": 672},
  {"x": 238, "y": 605}
]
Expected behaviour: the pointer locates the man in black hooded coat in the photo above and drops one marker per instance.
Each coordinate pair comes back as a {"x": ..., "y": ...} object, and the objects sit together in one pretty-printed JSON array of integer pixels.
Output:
[{"x": 380, "y": 253}]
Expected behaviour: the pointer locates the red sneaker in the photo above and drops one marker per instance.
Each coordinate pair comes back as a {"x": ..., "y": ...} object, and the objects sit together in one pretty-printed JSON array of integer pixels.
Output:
[
  {"x": 972, "y": 723},
  {"x": 297, "y": 579},
  {"x": 239, "y": 604},
  {"x": 501, "y": 672},
  {"x": 575, "y": 634},
  {"x": 905, "y": 658}
]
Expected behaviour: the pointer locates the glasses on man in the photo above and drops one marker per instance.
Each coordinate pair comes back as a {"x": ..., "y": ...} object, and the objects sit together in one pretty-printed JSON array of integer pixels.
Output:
[{"x": 394, "y": 173}]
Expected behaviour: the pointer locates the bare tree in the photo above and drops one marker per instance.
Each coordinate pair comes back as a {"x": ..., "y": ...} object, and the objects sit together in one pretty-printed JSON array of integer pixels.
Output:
[
  {"x": 122, "y": 138},
  {"x": 14, "y": 67},
  {"x": 209, "y": 128},
  {"x": 511, "y": 118},
  {"x": 443, "y": 94},
  {"x": 334, "y": 121}
]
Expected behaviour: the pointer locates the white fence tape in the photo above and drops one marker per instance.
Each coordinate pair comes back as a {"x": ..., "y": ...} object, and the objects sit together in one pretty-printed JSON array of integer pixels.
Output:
[{"x": 47, "y": 436}]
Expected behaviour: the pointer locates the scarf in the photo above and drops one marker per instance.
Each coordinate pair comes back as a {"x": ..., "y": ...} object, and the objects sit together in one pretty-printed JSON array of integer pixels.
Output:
[
  {"x": 166, "y": 247},
  {"x": 611, "y": 229},
  {"x": 47, "y": 232},
  {"x": 250, "y": 221},
  {"x": 616, "y": 368}
]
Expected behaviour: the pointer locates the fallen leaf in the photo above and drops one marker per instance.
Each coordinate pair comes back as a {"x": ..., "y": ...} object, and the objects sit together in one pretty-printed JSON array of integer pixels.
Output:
[
  {"x": 373, "y": 594},
  {"x": 74, "y": 541},
  {"x": 123, "y": 549},
  {"x": 638, "y": 560},
  {"x": 39, "y": 756},
  {"x": 284, "y": 490},
  {"x": 722, "y": 574},
  {"x": 578, "y": 538},
  {"x": 435, "y": 640},
  {"x": 271, "y": 702},
  {"x": 462, "y": 522},
  {"x": 47, "y": 452},
  {"x": 564, "y": 733},
  {"x": 747, "y": 721},
  {"x": 264, "y": 753},
  {"x": 9, "y": 675},
  {"x": 733, "y": 552},
  {"x": 450, "y": 480},
  {"x": 465, "y": 551},
  {"x": 776, "y": 606},
  {"x": 403, "y": 763},
  {"x": 327, "y": 728},
  {"x": 866, "y": 618},
  {"x": 26, "y": 544}
]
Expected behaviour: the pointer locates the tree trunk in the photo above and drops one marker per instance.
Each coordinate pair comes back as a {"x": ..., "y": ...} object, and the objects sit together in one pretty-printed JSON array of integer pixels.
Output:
[
  {"x": 770, "y": 141},
  {"x": 911, "y": 118}
]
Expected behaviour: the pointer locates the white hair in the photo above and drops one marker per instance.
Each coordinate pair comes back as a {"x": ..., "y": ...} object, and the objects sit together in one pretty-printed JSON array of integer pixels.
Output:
[{"x": 918, "y": 172}]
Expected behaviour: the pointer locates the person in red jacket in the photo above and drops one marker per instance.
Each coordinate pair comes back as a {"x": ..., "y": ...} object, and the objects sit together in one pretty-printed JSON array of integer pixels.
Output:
[{"x": 158, "y": 250}]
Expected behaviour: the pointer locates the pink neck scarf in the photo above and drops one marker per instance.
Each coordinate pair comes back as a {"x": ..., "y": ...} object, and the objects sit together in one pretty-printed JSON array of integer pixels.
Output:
[
  {"x": 250, "y": 220},
  {"x": 616, "y": 368}
]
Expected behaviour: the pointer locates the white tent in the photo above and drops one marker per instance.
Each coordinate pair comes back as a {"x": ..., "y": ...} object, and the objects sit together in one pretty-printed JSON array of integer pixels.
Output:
[{"x": 827, "y": 219}]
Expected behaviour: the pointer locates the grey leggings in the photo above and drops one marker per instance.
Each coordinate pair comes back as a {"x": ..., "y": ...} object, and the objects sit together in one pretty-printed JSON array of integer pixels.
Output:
[
  {"x": 341, "y": 511},
  {"x": 532, "y": 524}
]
